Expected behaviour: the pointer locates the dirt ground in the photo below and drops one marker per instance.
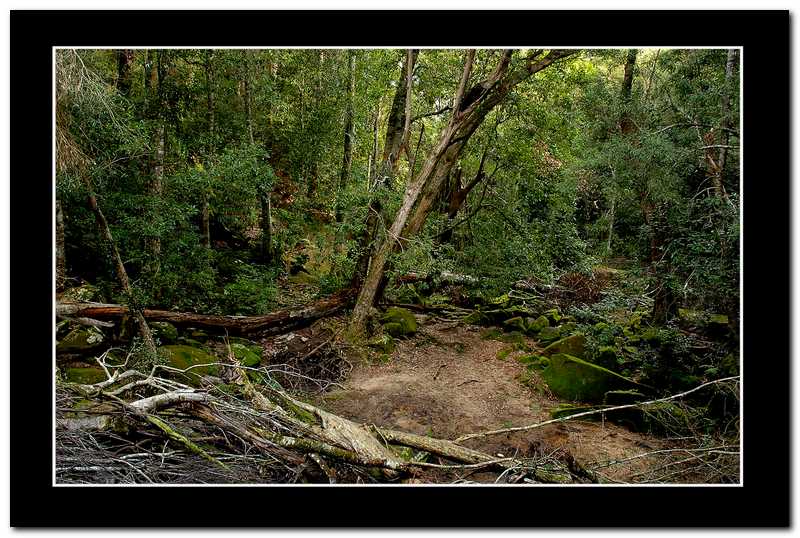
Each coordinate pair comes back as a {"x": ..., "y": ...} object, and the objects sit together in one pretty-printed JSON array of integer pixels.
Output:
[{"x": 447, "y": 381}]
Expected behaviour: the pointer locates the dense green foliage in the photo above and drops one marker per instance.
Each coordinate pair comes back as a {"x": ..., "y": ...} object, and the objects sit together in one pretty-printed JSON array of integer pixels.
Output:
[{"x": 573, "y": 171}]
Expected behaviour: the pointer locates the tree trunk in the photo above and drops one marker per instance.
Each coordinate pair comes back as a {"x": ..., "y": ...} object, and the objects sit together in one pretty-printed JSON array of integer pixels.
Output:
[
  {"x": 347, "y": 153},
  {"x": 122, "y": 274},
  {"x": 423, "y": 190},
  {"x": 205, "y": 223},
  {"x": 725, "y": 124},
  {"x": 278, "y": 322},
  {"x": 61, "y": 265},
  {"x": 124, "y": 79},
  {"x": 397, "y": 123},
  {"x": 266, "y": 227},
  {"x": 626, "y": 123},
  {"x": 247, "y": 97},
  {"x": 212, "y": 128}
]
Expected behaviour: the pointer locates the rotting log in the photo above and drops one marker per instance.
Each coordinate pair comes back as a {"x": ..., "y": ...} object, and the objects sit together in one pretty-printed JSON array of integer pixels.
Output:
[{"x": 277, "y": 322}]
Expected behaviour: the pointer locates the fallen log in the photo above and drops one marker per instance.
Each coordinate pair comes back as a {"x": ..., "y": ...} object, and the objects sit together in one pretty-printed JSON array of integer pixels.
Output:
[{"x": 277, "y": 322}]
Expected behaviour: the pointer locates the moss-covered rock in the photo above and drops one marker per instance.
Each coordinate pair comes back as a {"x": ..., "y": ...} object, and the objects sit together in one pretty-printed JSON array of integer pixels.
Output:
[
  {"x": 574, "y": 345},
  {"x": 476, "y": 317},
  {"x": 606, "y": 356},
  {"x": 245, "y": 355},
  {"x": 182, "y": 357},
  {"x": 549, "y": 334},
  {"x": 568, "y": 328},
  {"x": 718, "y": 319},
  {"x": 536, "y": 326},
  {"x": 199, "y": 335},
  {"x": 399, "y": 322},
  {"x": 166, "y": 332},
  {"x": 382, "y": 342},
  {"x": 81, "y": 340},
  {"x": 531, "y": 358},
  {"x": 516, "y": 322},
  {"x": 85, "y": 376},
  {"x": 553, "y": 315},
  {"x": 576, "y": 379}
]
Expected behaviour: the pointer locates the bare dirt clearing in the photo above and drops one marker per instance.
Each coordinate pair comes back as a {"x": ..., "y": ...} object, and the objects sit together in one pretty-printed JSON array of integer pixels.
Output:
[{"x": 447, "y": 381}]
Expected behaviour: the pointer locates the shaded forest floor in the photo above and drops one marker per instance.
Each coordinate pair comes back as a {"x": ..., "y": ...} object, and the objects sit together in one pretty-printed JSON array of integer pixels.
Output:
[{"x": 448, "y": 381}]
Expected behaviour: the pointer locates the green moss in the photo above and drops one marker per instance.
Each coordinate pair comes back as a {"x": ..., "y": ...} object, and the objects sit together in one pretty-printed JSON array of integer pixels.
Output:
[
  {"x": 399, "y": 322},
  {"x": 568, "y": 409},
  {"x": 245, "y": 355},
  {"x": 492, "y": 333},
  {"x": 536, "y": 326},
  {"x": 164, "y": 331},
  {"x": 81, "y": 340},
  {"x": 475, "y": 318},
  {"x": 548, "y": 334},
  {"x": 553, "y": 315},
  {"x": 606, "y": 356},
  {"x": 85, "y": 376},
  {"x": 572, "y": 345},
  {"x": 383, "y": 343},
  {"x": 502, "y": 354},
  {"x": 575, "y": 379},
  {"x": 517, "y": 323},
  {"x": 182, "y": 357},
  {"x": 568, "y": 328},
  {"x": 718, "y": 319},
  {"x": 80, "y": 294},
  {"x": 514, "y": 337},
  {"x": 729, "y": 365},
  {"x": 530, "y": 359}
]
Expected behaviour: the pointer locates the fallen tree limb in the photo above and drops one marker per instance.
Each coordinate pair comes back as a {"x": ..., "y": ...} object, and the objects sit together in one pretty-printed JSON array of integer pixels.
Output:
[
  {"x": 277, "y": 322},
  {"x": 593, "y": 412}
]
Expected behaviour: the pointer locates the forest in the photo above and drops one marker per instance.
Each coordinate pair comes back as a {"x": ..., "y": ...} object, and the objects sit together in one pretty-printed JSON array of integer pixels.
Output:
[{"x": 391, "y": 266}]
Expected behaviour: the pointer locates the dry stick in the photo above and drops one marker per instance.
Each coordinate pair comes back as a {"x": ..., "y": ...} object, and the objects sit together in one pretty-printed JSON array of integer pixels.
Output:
[{"x": 593, "y": 412}]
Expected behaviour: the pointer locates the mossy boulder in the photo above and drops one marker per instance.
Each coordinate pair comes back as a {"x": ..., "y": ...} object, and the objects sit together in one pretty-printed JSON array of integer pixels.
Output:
[
  {"x": 399, "y": 322},
  {"x": 81, "y": 340},
  {"x": 574, "y": 345},
  {"x": 576, "y": 379},
  {"x": 199, "y": 335},
  {"x": 531, "y": 358},
  {"x": 166, "y": 332},
  {"x": 553, "y": 315},
  {"x": 549, "y": 334},
  {"x": 382, "y": 342},
  {"x": 718, "y": 319},
  {"x": 536, "y": 326},
  {"x": 183, "y": 357},
  {"x": 568, "y": 328},
  {"x": 516, "y": 322},
  {"x": 245, "y": 355},
  {"x": 85, "y": 376},
  {"x": 606, "y": 356}
]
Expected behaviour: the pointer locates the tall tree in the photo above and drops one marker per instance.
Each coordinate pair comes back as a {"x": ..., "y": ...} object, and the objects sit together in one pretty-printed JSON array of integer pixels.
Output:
[
  {"x": 467, "y": 115},
  {"x": 397, "y": 123},
  {"x": 156, "y": 74},
  {"x": 124, "y": 79}
]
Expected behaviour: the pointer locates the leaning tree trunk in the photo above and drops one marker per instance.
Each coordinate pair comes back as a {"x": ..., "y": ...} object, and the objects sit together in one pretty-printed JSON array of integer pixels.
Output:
[
  {"x": 725, "y": 125},
  {"x": 122, "y": 274},
  {"x": 422, "y": 192}
]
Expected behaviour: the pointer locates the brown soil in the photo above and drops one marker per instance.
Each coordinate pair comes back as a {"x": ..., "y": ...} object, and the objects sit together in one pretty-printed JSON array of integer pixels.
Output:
[{"x": 447, "y": 381}]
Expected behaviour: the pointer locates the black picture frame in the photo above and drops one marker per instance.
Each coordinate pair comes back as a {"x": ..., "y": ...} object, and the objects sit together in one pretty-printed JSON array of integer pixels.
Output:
[{"x": 764, "y": 36}]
